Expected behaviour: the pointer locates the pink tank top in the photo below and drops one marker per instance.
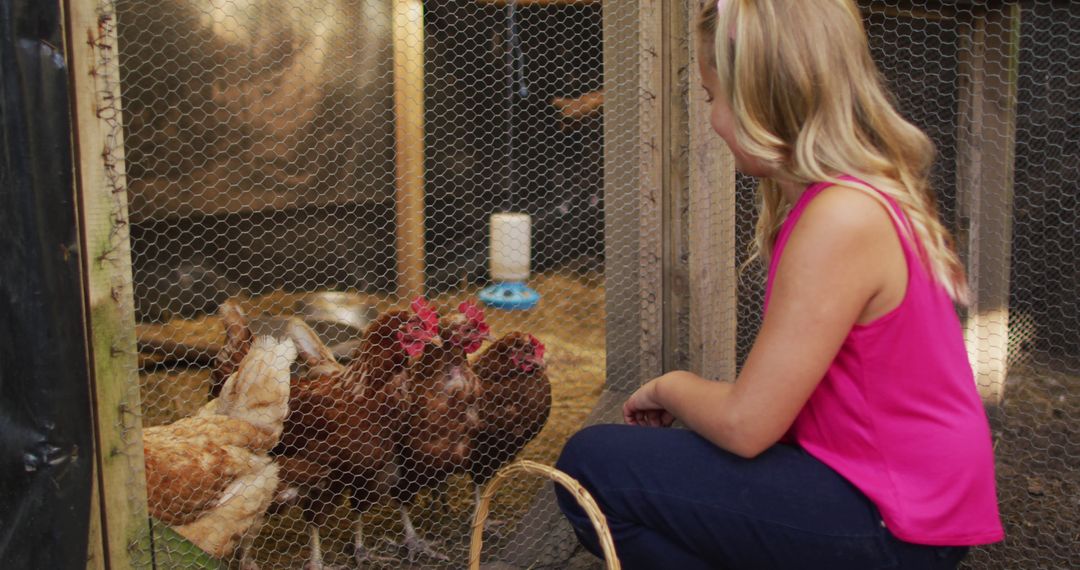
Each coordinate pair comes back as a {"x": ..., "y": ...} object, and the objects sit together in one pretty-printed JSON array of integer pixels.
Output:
[{"x": 898, "y": 415}]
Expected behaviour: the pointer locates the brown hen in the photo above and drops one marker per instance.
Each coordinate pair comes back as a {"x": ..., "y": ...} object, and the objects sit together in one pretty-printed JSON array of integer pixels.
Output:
[
  {"x": 514, "y": 403},
  {"x": 344, "y": 421},
  {"x": 442, "y": 418}
]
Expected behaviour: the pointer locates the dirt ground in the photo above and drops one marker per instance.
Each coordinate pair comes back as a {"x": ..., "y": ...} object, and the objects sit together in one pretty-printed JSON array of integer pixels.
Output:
[{"x": 1036, "y": 433}]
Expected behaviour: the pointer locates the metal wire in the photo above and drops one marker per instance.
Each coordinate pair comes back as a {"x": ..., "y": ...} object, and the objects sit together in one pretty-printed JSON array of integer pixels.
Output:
[{"x": 264, "y": 165}]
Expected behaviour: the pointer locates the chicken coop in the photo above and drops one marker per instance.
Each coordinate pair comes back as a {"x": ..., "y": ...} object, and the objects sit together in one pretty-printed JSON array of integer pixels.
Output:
[{"x": 261, "y": 187}]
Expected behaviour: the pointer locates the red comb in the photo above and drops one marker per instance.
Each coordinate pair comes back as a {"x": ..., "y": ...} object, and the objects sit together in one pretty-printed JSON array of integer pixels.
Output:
[
  {"x": 471, "y": 311},
  {"x": 538, "y": 347},
  {"x": 423, "y": 309}
]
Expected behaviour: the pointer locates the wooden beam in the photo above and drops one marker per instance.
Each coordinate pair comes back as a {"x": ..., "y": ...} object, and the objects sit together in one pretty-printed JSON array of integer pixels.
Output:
[
  {"x": 676, "y": 188},
  {"x": 99, "y": 171},
  {"x": 95, "y": 546},
  {"x": 713, "y": 272},
  {"x": 633, "y": 190},
  {"x": 986, "y": 140},
  {"x": 408, "y": 39}
]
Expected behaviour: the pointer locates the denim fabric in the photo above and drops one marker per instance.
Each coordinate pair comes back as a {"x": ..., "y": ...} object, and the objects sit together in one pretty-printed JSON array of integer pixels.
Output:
[{"x": 674, "y": 500}]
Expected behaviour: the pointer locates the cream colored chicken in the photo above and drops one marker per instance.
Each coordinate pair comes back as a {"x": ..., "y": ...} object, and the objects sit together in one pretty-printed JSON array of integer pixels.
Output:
[{"x": 209, "y": 476}]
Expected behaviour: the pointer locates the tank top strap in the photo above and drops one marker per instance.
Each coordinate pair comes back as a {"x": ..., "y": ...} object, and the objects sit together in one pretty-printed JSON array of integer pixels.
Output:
[{"x": 913, "y": 251}]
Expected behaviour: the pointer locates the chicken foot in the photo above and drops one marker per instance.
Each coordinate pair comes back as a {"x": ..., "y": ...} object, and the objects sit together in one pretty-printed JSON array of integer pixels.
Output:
[
  {"x": 361, "y": 552},
  {"x": 414, "y": 543}
]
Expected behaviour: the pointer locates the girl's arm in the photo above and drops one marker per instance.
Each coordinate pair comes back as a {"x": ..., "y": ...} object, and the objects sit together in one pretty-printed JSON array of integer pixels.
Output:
[{"x": 840, "y": 257}]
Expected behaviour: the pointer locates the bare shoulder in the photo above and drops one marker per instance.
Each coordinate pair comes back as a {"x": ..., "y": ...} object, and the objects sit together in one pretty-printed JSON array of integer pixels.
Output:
[
  {"x": 849, "y": 213},
  {"x": 847, "y": 236}
]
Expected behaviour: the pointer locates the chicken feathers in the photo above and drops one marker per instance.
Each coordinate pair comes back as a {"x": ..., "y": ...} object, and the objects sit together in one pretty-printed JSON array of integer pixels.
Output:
[{"x": 209, "y": 476}]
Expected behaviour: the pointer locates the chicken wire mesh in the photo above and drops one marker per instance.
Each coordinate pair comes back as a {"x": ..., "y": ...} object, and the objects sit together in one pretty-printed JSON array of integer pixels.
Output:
[
  {"x": 268, "y": 161},
  {"x": 275, "y": 188}
]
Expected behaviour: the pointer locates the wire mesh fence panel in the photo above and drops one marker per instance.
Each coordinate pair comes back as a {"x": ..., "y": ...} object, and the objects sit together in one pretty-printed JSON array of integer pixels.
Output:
[
  {"x": 311, "y": 188},
  {"x": 325, "y": 201}
]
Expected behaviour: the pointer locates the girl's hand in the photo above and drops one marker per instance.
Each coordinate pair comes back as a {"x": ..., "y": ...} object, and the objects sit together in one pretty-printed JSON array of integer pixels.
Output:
[{"x": 643, "y": 409}]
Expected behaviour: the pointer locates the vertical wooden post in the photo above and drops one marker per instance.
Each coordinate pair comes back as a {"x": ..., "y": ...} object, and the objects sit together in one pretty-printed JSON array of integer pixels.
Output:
[
  {"x": 99, "y": 169},
  {"x": 633, "y": 189},
  {"x": 986, "y": 141},
  {"x": 676, "y": 144},
  {"x": 408, "y": 39},
  {"x": 713, "y": 276},
  {"x": 95, "y": 548}
]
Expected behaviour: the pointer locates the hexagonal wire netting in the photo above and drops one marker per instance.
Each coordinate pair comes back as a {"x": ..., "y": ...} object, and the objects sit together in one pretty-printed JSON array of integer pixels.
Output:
[
  {"x": 272, "y": 163},
  {"x": 271, "y": 157}
]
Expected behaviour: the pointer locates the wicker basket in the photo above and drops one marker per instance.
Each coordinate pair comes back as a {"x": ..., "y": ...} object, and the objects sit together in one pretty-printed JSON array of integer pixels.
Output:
[{"x": 583, "y": 498}]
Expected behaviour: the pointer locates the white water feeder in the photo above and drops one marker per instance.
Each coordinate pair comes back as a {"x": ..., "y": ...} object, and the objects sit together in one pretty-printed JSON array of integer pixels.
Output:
[{"x": 510, "y": 253}]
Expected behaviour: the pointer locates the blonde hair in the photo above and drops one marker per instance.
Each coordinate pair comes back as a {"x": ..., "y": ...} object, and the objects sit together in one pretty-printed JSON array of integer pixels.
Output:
[{"x": 808, "y": 102}]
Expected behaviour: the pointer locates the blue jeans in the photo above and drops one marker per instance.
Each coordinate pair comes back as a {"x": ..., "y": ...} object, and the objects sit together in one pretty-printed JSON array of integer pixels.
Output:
[{"x": 674, "y": 500}]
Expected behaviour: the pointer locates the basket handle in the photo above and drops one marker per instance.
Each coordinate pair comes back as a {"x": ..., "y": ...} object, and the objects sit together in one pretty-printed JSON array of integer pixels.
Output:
[{"x": 569, "y": 483}]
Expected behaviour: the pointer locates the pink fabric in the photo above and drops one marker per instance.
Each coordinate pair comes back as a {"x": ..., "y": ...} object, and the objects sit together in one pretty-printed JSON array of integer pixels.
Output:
[{"x": 898, "y": 414}]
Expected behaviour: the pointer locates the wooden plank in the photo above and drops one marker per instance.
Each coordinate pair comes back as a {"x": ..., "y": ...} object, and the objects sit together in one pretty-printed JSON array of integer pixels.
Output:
[
  {"x": 986, "y": 141},
  {"x": 676, "y": 269},
  {"x": 633, "y": 173},
  {"x": 95, "y": 546},
  {"x": 231, "y": 193},
  {"x": 713, "y": 272},
  {"x": 408, "y": 39},
  {"x": 98, "y": 137}
]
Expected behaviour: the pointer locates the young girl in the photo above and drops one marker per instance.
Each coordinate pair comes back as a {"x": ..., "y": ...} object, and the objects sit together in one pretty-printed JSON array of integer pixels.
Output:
[{"x": 854, "y": 436}]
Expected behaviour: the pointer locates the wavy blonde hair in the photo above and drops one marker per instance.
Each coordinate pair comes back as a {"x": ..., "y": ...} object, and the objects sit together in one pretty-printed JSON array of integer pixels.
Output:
[{"x": 809, "y": 104}]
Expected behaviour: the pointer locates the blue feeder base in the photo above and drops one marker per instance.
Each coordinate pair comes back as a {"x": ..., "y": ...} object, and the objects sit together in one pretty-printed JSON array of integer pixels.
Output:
[{"x": 512, "y": 296}]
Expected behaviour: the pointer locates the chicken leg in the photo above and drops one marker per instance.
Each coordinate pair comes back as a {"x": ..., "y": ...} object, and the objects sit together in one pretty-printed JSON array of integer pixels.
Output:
[
  {"x": 414, "y": 543},
  {"x": 315, "y": 560},
  {"x": 361, "y": 552}
]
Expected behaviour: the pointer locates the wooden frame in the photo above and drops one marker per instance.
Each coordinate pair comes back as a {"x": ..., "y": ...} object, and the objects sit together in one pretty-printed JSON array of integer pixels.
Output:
[
  {"x": 683, "y": 217},
  {"x": 712, "y": 257},
  {"x": 986, "y": 141},
  {"x": 408, "y": 40},
  {"x": 676, "y": 187},
  {"x": 633, "y": 158},
  {"x": 120, "y": 498}
]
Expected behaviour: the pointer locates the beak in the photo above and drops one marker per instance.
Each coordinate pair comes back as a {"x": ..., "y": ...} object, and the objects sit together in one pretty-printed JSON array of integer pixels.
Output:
[{"x": 437, "y": 341}]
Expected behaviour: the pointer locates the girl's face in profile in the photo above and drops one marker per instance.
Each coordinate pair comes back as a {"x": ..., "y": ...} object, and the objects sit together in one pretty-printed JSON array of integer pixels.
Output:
[{"x": 721, "y": 118}]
